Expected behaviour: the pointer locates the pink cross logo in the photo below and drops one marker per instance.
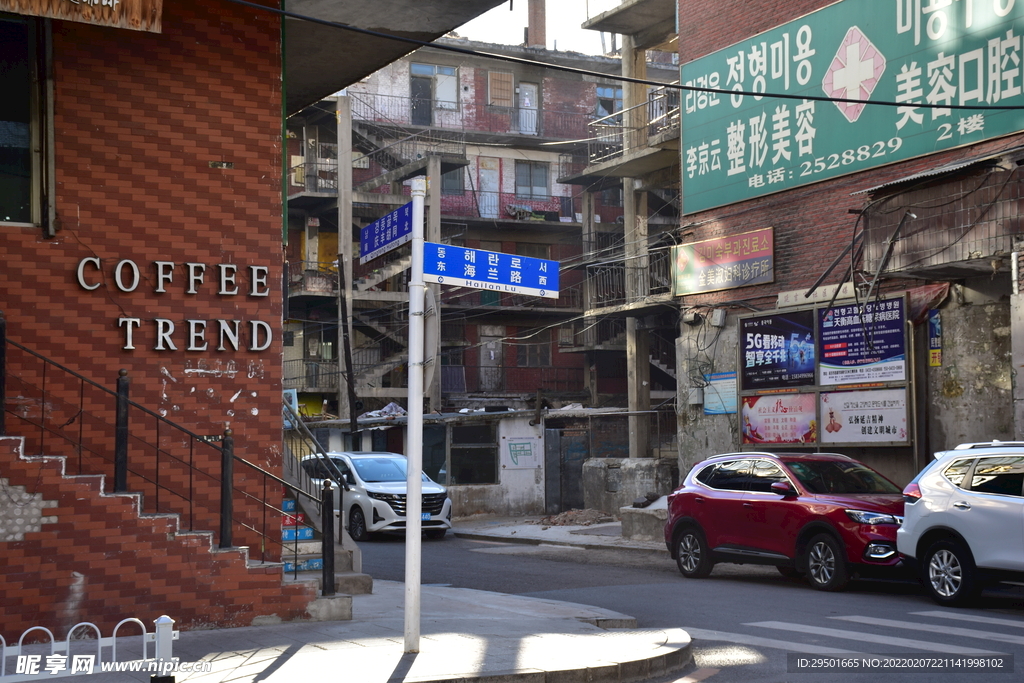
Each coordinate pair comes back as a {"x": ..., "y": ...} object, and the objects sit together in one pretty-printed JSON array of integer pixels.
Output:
[{"x": 853, "y": 73}]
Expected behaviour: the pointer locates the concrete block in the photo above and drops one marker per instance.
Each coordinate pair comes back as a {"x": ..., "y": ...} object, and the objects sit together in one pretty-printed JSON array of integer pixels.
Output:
[{"x": 331, "y": 608}]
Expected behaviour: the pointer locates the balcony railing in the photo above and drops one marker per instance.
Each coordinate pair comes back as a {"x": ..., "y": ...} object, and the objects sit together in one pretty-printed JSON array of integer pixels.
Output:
[
  {"x": 611, "y": 136},
  {"x": 397, "y": 110},
  {"x": 311, "y": 375},
  {"x": 314, "y": 175},
  {"x": 508, "y": 206},
  {"x": 312, "y": 277}
]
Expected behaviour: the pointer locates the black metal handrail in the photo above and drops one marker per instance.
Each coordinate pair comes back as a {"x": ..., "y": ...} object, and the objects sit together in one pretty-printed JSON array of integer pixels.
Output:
[{"x": 46, "y": 410}]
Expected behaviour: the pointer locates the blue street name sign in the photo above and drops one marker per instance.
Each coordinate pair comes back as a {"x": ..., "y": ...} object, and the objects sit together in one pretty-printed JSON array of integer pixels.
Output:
[
  {"x": 462, "y": 267},
  {"x": 385, "y": 234}
]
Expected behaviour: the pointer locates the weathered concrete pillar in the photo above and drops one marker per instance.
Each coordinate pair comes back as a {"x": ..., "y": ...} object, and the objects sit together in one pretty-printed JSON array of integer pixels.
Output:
[{"x": 1017, "y": 341}]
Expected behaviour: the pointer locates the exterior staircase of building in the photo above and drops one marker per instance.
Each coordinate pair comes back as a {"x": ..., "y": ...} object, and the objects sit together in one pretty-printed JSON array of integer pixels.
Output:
[{"x": 94, "y": 554}]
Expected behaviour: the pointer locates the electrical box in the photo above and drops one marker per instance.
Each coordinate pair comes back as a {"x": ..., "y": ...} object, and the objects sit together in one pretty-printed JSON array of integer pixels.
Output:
[
  {"x": 695, "y": 396},
  {"x": 718, "y": 317},
  {"x": 692, "y": 317}
]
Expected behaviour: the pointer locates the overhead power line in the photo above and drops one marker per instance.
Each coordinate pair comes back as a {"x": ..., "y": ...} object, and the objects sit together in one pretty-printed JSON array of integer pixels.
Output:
[{"x": 624, "y": 79}]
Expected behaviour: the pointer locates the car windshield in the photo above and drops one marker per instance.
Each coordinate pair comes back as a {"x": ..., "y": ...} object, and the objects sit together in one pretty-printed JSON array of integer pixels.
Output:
[
  {"x": 372, "y": 470},
  {"x": 832, "y": 476}
]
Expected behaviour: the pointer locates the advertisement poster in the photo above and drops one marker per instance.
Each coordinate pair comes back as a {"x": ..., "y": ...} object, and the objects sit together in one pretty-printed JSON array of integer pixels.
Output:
[
  {"x": 864, "y": 417},
  {"x": 934, "y": 338},
  {"x": 910, "y": 52},
  {"x": 862, "y": 343},
  {"x": 777, "y": 351},
  {"x": 779, "y": 418},
  {"x": 724, "y": 263},
  {"x": 720, "y": 393}
]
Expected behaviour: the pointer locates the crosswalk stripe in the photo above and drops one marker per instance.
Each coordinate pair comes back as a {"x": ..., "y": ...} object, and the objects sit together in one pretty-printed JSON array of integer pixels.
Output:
[
  {"x": 936, "y": 628},
  {"x": 977, "y": 619},
  {"x": 744, "y": 639},
  {"x": 890, "y": 641}
]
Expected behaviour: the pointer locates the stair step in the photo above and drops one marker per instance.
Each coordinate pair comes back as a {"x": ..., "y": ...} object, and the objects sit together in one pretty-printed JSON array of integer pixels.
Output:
[{"x": 350, "y": 583}]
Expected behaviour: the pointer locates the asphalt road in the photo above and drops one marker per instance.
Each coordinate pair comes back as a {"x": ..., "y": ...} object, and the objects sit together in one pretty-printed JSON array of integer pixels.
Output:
[{"x": 748, "y": 623}]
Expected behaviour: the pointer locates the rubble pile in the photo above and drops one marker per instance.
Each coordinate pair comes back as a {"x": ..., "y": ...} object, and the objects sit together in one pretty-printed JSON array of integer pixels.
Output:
[{"x": 577, "y": 518}]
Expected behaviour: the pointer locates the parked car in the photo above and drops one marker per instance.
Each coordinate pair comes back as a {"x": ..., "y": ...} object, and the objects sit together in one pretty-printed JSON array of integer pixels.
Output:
[
  {"x": 376, "y": 499},
  {"x": 823, "y": 515},
  {"x": 965, "y": 520}
]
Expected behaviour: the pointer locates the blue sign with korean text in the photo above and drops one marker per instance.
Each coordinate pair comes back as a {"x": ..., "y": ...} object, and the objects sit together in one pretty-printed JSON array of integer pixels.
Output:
[
  {"x": 777, "y": 350},
  {"x": 463, "y": 267},
  {"x": 862, "y": 343},
  {"x": 385, "y": 234}
]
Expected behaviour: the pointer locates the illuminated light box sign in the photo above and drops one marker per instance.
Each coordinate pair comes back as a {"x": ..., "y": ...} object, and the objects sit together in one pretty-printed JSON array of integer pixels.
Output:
[
  {"x": 779, "y": 419},
  {"x": 724, "y": 263},
  {"x": 910, "y": 52},
  {"x": 777, "y": 351},
  {"x": 864, "y": 417},
  {"x": 856, "y": 346}
]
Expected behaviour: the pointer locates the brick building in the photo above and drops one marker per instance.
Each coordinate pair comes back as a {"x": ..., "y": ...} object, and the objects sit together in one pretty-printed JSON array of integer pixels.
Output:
[
  {"x": 142, "y": 216},
  {"x": 872, "y": 246},
  {"x": 490, "y": 135}
]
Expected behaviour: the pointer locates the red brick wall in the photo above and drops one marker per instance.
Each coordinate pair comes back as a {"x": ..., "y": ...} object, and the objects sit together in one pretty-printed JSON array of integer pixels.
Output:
[
  {"x": 139, "y": 118},
  {"x": 101, "y": 562}
]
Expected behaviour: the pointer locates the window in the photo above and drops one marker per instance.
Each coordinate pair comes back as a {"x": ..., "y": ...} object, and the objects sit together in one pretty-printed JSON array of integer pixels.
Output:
[
  {"x": 730, "y": 476},
  {"x": 22, "y": 174},
  {"x": 499, "y": 89},
  {"x": 452, "y": 182},
  {"x": 1002, "y": 475},
  {"x": 764, "y": 474},
  {"x": 532, "y": 180},
  {"x": 474, "y": 454},
  {"x": 611, "y": 197},
  {"x": 535, "y": 350},
  {"x": 446, "y": 83},
  {"x": 957, "y": 471},
  {"x": 609, "y": 100}
]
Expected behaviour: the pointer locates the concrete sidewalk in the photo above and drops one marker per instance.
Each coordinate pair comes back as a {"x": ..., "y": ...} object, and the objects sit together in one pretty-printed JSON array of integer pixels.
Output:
[
  {"x": 530, "y": 530},
  {"x": 466, "y": 635}
]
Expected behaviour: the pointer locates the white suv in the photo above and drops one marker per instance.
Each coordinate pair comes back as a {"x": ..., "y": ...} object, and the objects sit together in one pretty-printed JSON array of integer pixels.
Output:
[{"x": 964, "y": 520}]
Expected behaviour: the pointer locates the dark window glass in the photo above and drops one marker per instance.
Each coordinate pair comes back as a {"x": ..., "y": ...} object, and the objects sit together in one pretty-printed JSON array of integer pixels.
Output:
[
  {"x": 957, "y": 471},
  {"x": 1003, "y": 475},
  {"x": 763, "y": 474},
  {"x": 15, "y": 123},
  {"x": 452, "y": 183},
  {"x": 473, "y": 434},
  {"x": 532, "y": 180},
  {"x": 705, "y": 474},
  {"x": 733, "y": 475},
  {"x": 838, "y": 476}
]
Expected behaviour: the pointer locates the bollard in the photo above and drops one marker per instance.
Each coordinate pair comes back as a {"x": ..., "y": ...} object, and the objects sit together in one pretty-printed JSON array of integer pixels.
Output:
[{"x": 327, "y": 540}]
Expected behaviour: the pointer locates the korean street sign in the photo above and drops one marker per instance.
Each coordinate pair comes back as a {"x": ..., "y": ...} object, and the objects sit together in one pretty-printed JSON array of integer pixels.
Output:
[
  {"x": 910, "y": 52},
  {"x": 724, "y": 263},
  {"x": 862, "y": 343},
  {"x": 385, "y": 234},
  {"x": 463, "y": 267}
]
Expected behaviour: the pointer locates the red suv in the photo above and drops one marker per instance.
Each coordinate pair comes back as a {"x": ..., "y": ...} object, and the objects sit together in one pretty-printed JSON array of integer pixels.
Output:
[{"x": 820, "y": 514}]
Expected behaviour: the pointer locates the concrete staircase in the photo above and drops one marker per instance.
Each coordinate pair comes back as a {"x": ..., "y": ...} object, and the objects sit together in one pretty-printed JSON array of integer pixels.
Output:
[{"x": 383, "y": 273}]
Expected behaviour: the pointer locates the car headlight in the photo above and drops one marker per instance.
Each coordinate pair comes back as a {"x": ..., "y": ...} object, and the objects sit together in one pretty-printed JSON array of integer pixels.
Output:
[
  {"x": 384, "y": 496},
  {"x": 866, "y": 517}
]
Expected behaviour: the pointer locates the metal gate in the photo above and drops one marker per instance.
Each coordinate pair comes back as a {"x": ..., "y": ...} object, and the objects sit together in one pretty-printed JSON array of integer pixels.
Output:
[{"x": 565, "y": 451}]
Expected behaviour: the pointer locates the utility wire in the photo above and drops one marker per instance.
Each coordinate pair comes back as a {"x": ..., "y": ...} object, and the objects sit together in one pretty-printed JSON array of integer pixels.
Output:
[{"x": 625, "y": 79}]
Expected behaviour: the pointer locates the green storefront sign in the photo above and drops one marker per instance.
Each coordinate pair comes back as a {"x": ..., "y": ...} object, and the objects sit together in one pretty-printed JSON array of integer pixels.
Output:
[{"x": 941, "y": 52}]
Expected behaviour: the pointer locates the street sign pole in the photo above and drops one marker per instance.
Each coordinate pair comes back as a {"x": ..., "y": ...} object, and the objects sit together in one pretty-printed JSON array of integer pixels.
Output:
[{"x": 414, "y": 452}]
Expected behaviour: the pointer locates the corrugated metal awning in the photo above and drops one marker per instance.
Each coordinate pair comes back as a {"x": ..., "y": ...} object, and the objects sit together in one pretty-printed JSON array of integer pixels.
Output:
[{"x": 991, "y": 158}]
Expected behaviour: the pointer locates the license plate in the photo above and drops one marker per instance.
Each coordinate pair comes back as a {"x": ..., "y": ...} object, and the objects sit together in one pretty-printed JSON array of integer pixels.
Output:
[{"x": 425, "y": 516}]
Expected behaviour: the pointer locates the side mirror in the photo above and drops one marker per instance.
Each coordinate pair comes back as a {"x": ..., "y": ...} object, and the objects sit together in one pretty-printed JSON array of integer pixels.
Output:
[{"x": 783, "y": 488}]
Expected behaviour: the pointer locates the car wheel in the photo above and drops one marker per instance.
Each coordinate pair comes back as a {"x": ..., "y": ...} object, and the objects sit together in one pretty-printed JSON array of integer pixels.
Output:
[
  {"x": 789, "y": 572},
  {"x": 692, "y": 555},
  {"x": 357, "y": 525},
  {"x": 826, "y": 566},
  {"x": 435, "y": 534},
  {"x": 949, "y": 573}
]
